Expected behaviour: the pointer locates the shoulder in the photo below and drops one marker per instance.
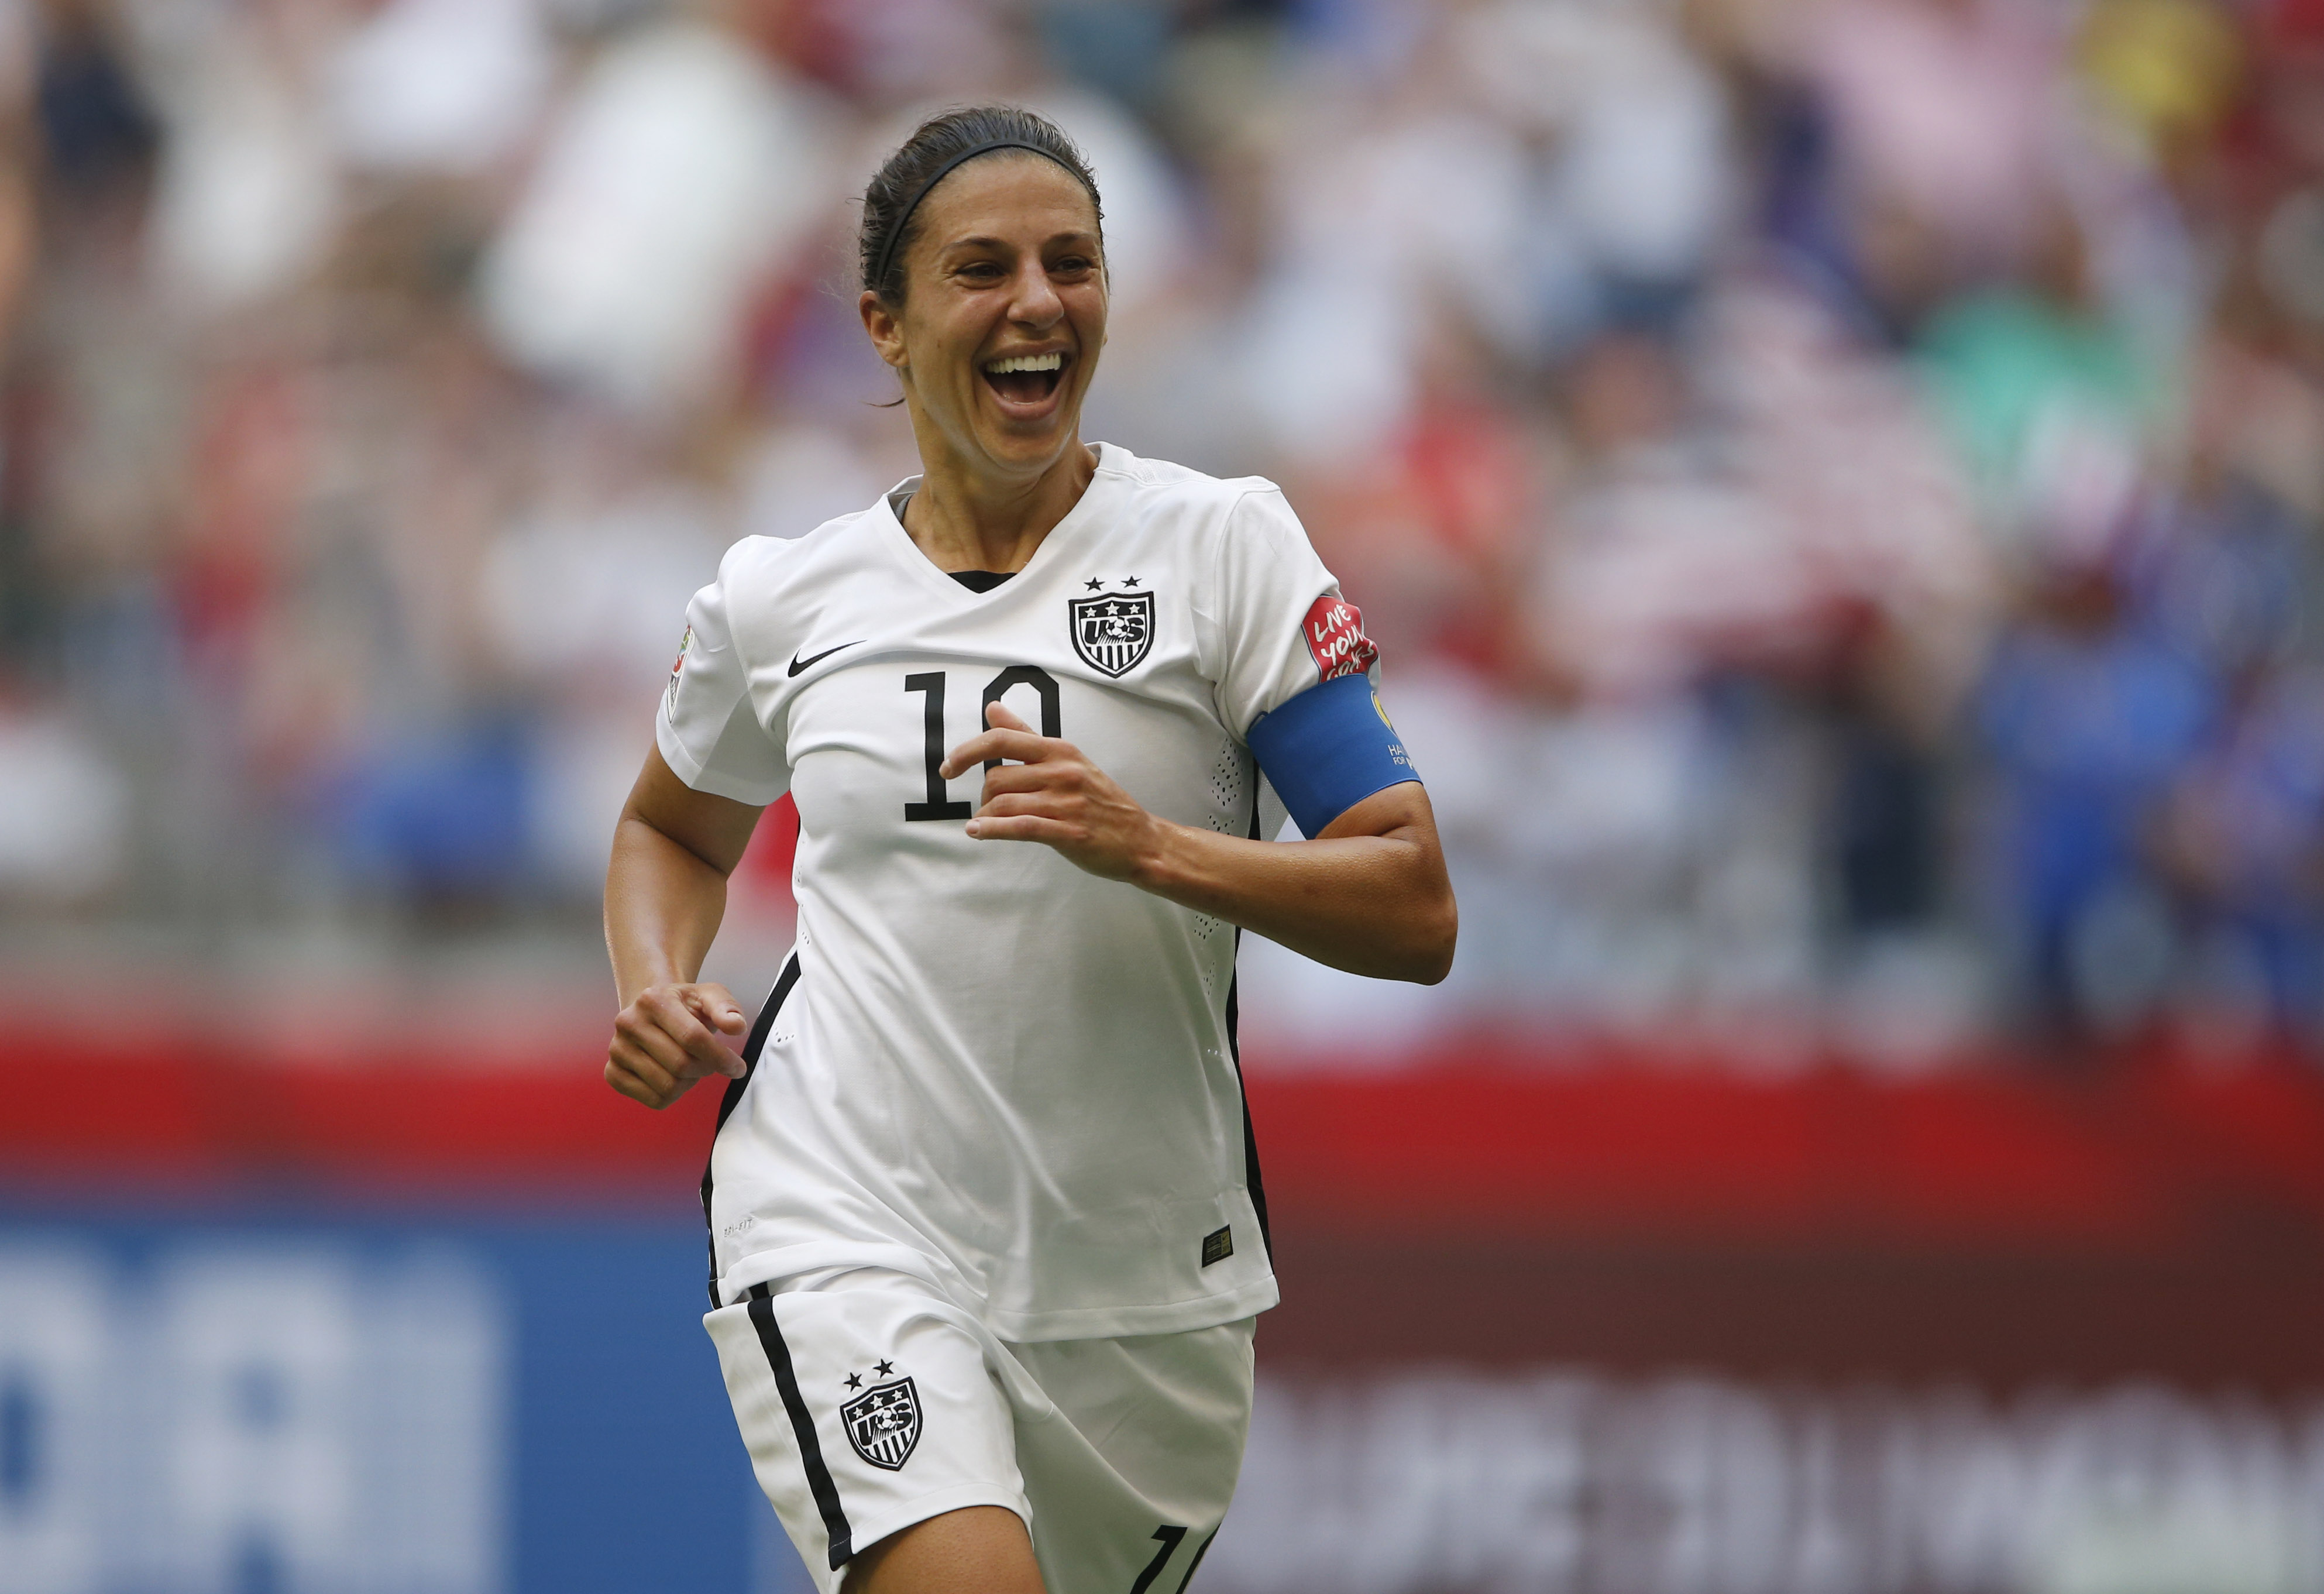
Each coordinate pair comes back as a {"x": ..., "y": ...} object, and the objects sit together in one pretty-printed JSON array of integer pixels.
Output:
[
  {"x": 757, "y": 563},
  {"x": 1230, "y": 508},
  {"x": 772, "y": 589},
  {"x": 1161, "y": 480},
  {"x": 770, "y": 576}
]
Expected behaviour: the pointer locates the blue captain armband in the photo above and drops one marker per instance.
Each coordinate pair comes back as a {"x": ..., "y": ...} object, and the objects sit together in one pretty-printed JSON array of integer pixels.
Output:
[{"x": 1328, "y": 749}]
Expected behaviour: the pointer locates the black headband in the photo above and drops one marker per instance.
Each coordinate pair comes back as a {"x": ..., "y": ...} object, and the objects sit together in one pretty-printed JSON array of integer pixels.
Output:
[{"x": 887, "y": 250}]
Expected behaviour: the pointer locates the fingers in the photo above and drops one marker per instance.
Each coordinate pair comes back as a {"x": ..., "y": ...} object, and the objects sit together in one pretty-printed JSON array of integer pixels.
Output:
[
  {"x": 679, "y": 1012},
  {"x": 1017, "y": 778},
  {"x": 620, "y": 1079},
  {"x": 1001, "y": 717},
  {"x": 637, "y": 1088},
  {"x": 1014, "y": 742},
  {"x": 648, "y": 1042},
  {"x": 662, "y": 1045},
  {"x": 1047, "y": 804},
  {"x": 640, "y": 1078},
  {"x": 1025, "y": 827},
  {"x": 715, "y": 1006},
  {"x": 1046, "y": 815},
  {"x": 1072, "y": 808}
]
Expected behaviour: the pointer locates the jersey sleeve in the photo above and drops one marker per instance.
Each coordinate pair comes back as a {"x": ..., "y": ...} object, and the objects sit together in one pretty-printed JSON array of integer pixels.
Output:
[
  {"x": 1299, "y": 675},
  {"x": 706, "y": 731}
]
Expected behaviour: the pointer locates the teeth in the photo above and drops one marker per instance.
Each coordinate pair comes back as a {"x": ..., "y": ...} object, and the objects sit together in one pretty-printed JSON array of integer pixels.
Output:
[{"x": 1052, "y": 362}]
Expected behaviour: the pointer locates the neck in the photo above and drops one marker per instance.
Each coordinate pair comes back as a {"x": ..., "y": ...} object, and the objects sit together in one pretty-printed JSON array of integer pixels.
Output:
[{"x": 968, "y": 520}]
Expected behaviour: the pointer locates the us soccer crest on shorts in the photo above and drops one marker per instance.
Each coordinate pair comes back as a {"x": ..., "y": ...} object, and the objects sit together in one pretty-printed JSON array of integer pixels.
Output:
[
  {"x": 1113, "y": 631},
  {"x": 884, "y": 1423}
]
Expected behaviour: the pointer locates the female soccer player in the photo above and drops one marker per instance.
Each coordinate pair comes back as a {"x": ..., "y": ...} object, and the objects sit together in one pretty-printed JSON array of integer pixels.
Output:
[{"x": 987, "y": 1232}]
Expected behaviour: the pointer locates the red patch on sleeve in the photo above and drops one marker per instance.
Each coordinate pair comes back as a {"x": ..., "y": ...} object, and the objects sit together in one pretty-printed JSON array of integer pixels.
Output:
[{"x": 1334, "y": 631}]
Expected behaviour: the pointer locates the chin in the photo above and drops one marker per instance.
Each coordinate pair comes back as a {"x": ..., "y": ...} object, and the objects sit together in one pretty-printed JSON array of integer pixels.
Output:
[{"x": 1029, "y": 448}]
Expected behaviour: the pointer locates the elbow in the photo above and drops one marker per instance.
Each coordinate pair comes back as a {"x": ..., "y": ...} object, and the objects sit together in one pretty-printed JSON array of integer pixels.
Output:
[{"x": 1430, "y": 959}]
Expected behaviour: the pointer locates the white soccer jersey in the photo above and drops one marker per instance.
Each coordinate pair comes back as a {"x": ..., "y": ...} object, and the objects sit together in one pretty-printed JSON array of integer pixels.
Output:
[{"x": 989, "y": 1068}]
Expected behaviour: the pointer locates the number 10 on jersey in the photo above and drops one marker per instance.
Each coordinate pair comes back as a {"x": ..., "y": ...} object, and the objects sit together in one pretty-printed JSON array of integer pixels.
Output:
[{"x": 931, "y": 683}]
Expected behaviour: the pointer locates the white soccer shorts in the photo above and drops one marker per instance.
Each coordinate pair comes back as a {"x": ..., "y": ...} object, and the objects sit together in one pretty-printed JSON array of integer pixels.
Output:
[{"x": 868, "y": 1402}]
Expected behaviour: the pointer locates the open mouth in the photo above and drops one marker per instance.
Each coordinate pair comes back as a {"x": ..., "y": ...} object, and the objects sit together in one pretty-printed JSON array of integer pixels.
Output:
[{"x": 1025, "y": 379}]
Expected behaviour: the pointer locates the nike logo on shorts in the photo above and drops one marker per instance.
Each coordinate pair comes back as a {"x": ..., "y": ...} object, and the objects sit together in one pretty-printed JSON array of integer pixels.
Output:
[{"x": 798, "y": 664}]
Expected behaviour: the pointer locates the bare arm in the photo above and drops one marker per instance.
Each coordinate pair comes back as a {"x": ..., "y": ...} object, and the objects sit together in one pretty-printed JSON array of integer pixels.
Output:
[
  {"x": 665, "y": 894},
  {"x": 1369, "y": 895}
]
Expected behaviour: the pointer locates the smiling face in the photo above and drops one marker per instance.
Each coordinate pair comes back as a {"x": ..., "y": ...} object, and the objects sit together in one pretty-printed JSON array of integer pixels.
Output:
[{"x": 1004, "y": 317}]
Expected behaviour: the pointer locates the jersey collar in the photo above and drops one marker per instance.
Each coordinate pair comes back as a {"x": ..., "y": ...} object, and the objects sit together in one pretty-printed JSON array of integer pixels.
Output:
[{"x": 1086, "y": 511}]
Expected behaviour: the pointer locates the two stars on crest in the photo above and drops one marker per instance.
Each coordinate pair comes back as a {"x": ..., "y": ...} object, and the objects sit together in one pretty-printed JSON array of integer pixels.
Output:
[
  {"x": 1094, "y": 584},
  {"x": 881, "y": 1371}
]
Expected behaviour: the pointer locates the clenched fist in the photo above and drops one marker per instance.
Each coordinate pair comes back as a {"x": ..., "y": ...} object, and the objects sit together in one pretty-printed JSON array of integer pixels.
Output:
[{"x": 670, "y": 1037}]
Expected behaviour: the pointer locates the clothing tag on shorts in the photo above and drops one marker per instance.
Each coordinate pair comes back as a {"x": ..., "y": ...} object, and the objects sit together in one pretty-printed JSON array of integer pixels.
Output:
[{"x": 1219, "y": 1246}]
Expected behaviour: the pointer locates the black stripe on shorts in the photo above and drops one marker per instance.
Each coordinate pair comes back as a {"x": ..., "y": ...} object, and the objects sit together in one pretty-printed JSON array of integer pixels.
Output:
[{"x": 818, "y": 1476}]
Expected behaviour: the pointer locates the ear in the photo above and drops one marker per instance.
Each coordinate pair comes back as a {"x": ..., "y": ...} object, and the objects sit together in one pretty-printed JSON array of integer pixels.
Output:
[{"x": 884, "y": 328}]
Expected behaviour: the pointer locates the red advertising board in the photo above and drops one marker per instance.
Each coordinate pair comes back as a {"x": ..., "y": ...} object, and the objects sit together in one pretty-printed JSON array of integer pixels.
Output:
[{"x": 1493, "y": 1201}]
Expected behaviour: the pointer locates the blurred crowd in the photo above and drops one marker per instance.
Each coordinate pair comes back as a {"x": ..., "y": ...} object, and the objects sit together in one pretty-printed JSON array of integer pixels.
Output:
[{"x": 1837, "y": 483}]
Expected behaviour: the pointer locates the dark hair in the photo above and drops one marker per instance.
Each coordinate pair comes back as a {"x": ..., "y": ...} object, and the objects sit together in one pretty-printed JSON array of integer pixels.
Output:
[{"x": 937, "y": 146}]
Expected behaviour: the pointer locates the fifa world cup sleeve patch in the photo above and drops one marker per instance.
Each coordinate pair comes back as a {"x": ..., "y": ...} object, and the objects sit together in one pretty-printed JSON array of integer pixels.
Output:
[
  {"x": 1328, "y": 749},
  {"x": 678, "y": 670},
  {"x": 1335, "y": 634}
]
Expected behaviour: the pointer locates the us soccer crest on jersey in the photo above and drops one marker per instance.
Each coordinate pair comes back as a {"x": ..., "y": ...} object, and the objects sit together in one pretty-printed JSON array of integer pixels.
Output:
[{"x": 1112, "y": 632}]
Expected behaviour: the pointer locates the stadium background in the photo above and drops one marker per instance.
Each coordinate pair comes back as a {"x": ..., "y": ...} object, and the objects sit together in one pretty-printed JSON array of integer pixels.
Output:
[{"x": 1837, "y": 484}]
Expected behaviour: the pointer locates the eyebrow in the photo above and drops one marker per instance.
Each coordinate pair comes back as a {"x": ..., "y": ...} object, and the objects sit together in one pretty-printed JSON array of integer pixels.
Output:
[{"x": 982, "y": 241}]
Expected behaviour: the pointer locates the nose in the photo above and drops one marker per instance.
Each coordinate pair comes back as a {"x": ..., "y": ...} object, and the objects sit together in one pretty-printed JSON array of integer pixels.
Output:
[{"x": 1034, "y": 302}]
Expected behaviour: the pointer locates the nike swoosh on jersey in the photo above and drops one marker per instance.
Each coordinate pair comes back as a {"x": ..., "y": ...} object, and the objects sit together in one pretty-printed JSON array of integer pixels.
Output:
[{"x": 798, "y": 664}]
